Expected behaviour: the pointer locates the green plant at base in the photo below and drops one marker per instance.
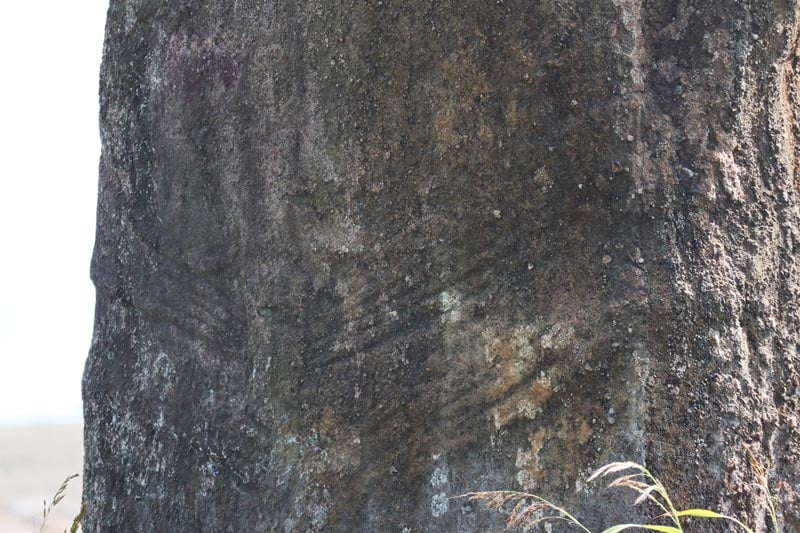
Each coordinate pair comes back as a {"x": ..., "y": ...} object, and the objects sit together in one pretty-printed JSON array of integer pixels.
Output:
[
  {"x": 531, "y": 510},
  {"x": 76, "y": 522}
]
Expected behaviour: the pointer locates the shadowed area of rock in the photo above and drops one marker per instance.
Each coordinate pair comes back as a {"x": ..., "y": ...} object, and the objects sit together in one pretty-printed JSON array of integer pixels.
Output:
[{"x": 355, "y": 258}]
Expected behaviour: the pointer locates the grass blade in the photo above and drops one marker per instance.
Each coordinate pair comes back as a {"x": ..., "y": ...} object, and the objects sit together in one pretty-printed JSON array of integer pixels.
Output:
[
  {"x": 706, "y": 513},
  {"x": 651, "y": 527},
  {"x": 700, "y": 513}
]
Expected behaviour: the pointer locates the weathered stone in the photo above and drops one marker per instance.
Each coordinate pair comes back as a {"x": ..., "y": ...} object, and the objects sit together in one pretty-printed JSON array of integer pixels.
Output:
[{"x": 350, "y": 259}]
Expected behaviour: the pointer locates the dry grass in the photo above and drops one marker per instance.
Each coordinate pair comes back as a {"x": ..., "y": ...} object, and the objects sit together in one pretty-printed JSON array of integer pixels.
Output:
[
  {"x": 528, "y": 511},
  {"x": 59, "y": 495},
  {"x": 761, "y": 476},
  {"x": 29, "y": 457}
]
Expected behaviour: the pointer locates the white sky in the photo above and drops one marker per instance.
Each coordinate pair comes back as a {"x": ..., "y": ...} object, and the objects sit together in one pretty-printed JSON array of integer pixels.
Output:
[{"x": 49, "y": 150}]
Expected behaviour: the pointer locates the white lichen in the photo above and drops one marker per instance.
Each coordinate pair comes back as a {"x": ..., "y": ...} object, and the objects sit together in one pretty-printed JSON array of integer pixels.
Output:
[
  {"x": 439, "y": 504},
  {"x": 439, "y": 476},
  {"x": 450, "y": 302}
]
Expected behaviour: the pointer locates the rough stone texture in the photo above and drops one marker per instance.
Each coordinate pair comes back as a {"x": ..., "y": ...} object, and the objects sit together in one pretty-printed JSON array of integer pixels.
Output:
[{"x": 356, "y": 257}]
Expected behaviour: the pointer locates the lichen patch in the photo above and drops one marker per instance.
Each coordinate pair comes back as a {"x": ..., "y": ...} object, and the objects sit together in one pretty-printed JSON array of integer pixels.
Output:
[
  {"x": 549, "y": 444},
  {"x": 526, "y": 403},
  {"x": 523, "y": 383}
]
